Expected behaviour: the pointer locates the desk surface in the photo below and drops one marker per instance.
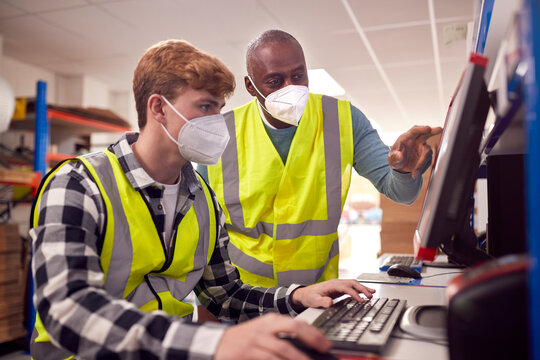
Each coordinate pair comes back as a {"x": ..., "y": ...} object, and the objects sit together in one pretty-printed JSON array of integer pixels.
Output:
[
  {"x": 398, "y": 347},
  {"x": 431, "y": 275}
]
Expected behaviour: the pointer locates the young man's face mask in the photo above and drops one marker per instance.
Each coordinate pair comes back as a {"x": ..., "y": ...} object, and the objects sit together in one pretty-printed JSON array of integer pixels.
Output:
[
  {"x": 202, "y": 139},
  {"x": 286, "y": 104}
]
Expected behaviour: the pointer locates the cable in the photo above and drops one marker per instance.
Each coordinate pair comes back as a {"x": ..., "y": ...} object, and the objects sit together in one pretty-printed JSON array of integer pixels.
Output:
[
  {"x": 442, "y": 264},
  {"x": 418, "y": 338},
  {"x": 446, "y": 273}
]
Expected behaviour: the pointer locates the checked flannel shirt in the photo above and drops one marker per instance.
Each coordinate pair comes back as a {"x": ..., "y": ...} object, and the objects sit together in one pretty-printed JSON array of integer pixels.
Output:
[{"x": 90, "y": 323}]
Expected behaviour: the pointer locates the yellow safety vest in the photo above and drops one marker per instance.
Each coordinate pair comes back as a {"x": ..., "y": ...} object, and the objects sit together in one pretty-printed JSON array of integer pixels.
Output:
[
  {"x": 282, "y": 218},
  {"x": 137, "y": 268}
]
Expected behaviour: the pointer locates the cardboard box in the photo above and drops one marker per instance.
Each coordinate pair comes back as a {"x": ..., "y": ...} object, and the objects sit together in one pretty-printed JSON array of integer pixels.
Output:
[
  {"x": 399, "y": 222},
  {"x": 12, "y": 327},
  {"x": 10, "y": 260},
  {"x": 10, "y": 240},
  {"x": 11, "y": 306},
  {"x": 395, "y": 247},
  {"x": 15, "y": 288},
  {"x": 397, "y": 237},
  {"x": 13, "y": 272}
]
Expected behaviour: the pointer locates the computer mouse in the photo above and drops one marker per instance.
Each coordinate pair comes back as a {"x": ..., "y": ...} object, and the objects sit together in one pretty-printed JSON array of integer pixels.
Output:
[
  {"x": 403, "y": 271},
  {"x": 309, "y": 351}
]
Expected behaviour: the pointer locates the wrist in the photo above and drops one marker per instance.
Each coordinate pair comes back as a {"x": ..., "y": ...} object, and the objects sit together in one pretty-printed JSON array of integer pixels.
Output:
[
  {"x": 295, "y": 300},
  {"x": 400, "y": 171}
]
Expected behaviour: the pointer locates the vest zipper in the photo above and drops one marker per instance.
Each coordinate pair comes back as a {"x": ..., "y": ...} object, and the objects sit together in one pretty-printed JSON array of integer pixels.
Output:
[
  {"x": 160, "y": 304},
  {"x": 170, "y": 256}
]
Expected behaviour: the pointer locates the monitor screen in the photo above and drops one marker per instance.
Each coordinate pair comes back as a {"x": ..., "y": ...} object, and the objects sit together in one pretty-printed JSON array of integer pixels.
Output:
[{"x": 445, "y": 219}]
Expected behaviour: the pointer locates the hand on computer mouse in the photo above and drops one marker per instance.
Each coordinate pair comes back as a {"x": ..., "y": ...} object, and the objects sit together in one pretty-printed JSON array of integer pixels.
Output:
[
  {"x": 260, "y": 338},
  {"x": 308, "y": 350},
  {"x": 403, "y": 271}
]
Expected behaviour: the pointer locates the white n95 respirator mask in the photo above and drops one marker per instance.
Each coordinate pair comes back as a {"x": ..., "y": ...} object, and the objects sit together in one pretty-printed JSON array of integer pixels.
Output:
[
  {"x": 201, "y": 139},
  {"x": 286, "y": 104}
]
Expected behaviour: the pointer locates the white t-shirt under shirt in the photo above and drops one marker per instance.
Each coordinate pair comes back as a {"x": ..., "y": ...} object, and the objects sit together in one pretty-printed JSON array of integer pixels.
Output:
[{"x": 170, "y": 195}]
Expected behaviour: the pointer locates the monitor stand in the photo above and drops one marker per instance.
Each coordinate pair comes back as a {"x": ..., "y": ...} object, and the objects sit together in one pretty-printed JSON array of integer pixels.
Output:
[{"x": 462, "y": 249}]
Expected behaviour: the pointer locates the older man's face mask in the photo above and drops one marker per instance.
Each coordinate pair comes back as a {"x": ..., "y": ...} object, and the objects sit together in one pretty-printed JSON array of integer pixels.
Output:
[{"x": 286, "y": 104}]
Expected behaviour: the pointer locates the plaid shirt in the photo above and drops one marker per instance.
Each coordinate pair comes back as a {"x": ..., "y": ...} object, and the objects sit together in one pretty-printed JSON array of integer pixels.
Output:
[{"x": 69, "y": 294}]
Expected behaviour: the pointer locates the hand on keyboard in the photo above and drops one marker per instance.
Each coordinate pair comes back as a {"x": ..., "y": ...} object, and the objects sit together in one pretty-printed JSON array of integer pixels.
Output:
[
  {"x": 322, "y": 294},
  {"x": 258, "y": 339},
  {"x": 352, "y": 325}
]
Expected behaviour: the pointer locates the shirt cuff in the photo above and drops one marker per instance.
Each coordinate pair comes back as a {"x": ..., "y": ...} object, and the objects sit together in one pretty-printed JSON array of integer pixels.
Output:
[
  {"x": 293, "y": 310},
  {"x": 403, "y": 177},
  {"x": 202, "y": 345}
]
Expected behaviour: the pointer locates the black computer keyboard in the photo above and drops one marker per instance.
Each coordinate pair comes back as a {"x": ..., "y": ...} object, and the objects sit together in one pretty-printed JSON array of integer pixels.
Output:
[
  {"x": 365, "y": 327},
  {"x": 408, "y": 260}
]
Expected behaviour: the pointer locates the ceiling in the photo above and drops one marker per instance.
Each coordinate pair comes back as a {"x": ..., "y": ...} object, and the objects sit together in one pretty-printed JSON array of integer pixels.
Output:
[{"x": 398, "y": 60}]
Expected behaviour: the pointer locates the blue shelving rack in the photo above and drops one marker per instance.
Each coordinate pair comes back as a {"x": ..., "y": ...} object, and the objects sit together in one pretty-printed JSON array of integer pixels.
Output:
[{"x": 41, "y": 144}]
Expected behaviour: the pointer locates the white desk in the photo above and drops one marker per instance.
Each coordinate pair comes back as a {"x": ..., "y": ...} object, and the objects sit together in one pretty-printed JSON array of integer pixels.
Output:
[
  {"x": 404, "y": 349},
  {"x": 431, "y": 276}
]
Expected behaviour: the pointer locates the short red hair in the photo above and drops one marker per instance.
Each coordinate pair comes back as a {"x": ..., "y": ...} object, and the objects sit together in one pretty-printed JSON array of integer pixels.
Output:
[{"x": 169, "y": 66}]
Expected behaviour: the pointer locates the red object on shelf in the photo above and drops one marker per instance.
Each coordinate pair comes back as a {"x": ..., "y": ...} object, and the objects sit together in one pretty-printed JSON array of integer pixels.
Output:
[
  {"x": 31, "y": 181},
  {"x": 97, "y": 124},
  {"x": 36, "y": 180},
  {"x": 58, "y": 157}
]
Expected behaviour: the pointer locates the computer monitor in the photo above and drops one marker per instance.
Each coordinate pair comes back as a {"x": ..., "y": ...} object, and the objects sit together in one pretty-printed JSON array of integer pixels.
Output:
[{"x": 445, "y": 219}]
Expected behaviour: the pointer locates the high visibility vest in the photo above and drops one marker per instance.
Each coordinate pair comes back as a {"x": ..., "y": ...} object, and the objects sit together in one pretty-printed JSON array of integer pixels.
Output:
[
  {"x": 282, "y": 218},
  {"x": 133, "y": 256}
]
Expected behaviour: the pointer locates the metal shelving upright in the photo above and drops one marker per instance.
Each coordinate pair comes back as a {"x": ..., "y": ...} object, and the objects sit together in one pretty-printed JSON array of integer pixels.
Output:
[{"x": 41, "y": 144}]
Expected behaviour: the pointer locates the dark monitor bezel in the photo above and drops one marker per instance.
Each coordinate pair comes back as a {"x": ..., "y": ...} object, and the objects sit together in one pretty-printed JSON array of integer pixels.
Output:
[{"x": 444, "y": 222}]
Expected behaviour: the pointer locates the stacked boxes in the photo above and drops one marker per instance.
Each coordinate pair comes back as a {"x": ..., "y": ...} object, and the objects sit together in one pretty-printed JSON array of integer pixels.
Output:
[
  {"x": 12, "y": 283},
  {"x": 399, "y": 222}
]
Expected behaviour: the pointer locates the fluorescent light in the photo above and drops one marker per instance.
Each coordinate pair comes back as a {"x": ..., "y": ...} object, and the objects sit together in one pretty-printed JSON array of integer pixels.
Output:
[{"x": 320, "y": 82}]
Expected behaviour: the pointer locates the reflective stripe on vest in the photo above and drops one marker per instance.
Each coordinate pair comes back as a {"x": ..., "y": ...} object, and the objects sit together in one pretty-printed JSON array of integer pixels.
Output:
[
  {"x": 225, "y": 178},
  {"x": 145, "y": 275}
]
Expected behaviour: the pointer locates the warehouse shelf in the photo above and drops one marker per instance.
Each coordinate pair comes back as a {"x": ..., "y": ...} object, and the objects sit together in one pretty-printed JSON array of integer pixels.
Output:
[
  {"x": 21, "y": 178},
  {"x": 65, "y": 121}
]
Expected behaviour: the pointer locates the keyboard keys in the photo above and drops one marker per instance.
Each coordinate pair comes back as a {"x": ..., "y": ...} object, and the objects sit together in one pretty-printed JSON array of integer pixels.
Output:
[
  {"x": 360, "y": 326},
  {"x": 407, "y": 260}
]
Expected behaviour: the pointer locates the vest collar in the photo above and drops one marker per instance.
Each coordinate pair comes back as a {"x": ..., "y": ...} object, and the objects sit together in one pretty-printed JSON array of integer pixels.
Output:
[{"x": 135, "y": 173}]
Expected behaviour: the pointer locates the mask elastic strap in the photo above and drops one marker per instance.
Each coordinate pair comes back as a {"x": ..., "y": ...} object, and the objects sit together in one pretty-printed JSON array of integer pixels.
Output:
[
  {"x": 173, "y": 108},
  {"x": 263, "y": 106},
  {"x": 177, "y": 112},
  {"x": 253, "y": 83},
  {"x": 169, "y": 135}
]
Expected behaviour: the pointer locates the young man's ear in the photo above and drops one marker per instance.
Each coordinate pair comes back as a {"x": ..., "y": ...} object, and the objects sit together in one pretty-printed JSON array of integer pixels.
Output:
[{"x": 156, "y": 107}]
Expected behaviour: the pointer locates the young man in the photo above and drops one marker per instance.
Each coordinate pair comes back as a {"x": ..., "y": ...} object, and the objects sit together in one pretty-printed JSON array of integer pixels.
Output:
[
  {"x": 121, "y": 236},
  {"x": 284, "y": 176}
]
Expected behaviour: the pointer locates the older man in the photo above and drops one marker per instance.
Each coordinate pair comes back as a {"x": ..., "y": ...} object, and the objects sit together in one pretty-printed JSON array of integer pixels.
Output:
[{"x": 284, "y": 176}]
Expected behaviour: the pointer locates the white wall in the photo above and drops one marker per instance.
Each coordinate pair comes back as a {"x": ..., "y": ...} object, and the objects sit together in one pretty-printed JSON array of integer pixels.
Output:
[
  {"x": 81, "y": 90},
  {"x": 123, "y": 104},
  {"x": 69, "y": 90},
  {"x": 95, "y": 94},
  {"x": 23, "y": 77},
  {"x": 64, "y": 90}
]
